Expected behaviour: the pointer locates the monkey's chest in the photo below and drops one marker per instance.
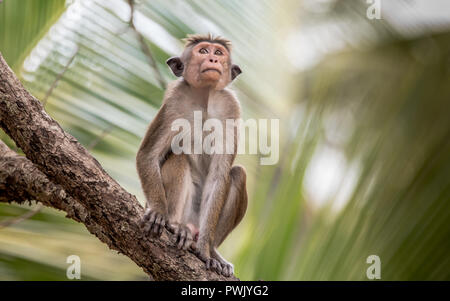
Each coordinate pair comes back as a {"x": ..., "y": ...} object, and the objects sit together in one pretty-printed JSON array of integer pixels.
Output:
[
  {"x": 208, "y": 137},
  {"x": 210, "y": 134}
]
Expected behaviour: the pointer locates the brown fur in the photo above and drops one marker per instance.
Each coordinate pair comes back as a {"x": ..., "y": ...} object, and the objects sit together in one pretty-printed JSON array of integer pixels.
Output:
[
  {"x": 201, "y": 197},
  {"x": 193, "y": 39}
]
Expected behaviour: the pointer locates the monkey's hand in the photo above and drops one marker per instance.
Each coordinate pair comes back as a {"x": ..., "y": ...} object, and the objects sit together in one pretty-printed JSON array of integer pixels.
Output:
[
  {"x": 183, "y": 235},
  {"x": 153, "y": 223},
  {"x": 211, "y": 263}
]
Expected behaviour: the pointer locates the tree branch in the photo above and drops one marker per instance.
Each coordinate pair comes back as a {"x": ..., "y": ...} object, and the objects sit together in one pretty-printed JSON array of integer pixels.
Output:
[
  {"x": 21, "y": 181},
  {"x": 57, "y": 164},
  {"x": 38, "y": 208}
]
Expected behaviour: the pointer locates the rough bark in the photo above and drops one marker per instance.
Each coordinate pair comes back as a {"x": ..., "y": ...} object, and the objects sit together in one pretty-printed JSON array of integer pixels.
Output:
[{"x": 60, "y": 173}]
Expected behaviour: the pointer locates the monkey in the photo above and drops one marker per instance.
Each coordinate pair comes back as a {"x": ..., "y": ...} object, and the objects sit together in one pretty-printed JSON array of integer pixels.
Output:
[{"x": 202, "y": 197}]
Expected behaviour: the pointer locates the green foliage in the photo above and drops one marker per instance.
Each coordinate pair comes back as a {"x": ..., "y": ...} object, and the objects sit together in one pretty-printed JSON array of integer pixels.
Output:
[
  {"x": 394, "y": 96},
  {"x": 22, "y": 25}
]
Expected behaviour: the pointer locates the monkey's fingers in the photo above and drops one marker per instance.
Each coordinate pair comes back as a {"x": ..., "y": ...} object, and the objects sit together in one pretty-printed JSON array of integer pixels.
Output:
[
  {"x": 152, "y": 217},
  {"x": 158, "y": 224},
  {"x": 145, "y": 218},
  {"x": 181, "y": 240},
  {"x": 147, "y": 228},
  {"x": 185, "y": 238},
  {"x": 172, "y": 228},
  {"x": 149, "y": 224},
  {"x": 181, "y": 237},
  {"x": 153, "y": 223},
  {"x": 187, "y": 244},
  {"x": 162, "y": 226},
  {"x": 175, "y": 229}
]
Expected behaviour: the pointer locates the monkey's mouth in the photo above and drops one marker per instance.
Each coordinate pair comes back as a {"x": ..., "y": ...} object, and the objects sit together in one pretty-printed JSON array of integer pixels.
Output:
[{"x": 212, "y": 69}]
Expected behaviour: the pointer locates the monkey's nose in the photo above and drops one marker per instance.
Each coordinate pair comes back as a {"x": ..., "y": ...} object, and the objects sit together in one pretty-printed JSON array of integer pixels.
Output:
[{"x": 213, "y": 61}]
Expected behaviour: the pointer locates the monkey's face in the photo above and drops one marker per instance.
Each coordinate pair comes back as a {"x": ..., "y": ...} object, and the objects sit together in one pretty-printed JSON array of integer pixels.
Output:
[
  {"x": 205, "y": 65},
  {"x": 208, "y": 65}
]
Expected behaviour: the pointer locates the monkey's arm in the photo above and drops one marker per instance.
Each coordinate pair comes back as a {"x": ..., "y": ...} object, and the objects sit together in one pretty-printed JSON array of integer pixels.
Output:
[{"x": 154, "y": 147}]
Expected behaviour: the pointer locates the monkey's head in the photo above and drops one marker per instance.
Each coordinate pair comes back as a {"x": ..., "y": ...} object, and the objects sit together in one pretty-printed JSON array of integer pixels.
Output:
[{"x": 205, "y": 62}]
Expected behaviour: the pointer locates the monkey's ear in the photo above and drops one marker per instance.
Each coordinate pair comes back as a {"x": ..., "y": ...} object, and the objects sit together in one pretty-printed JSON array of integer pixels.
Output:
[
  {"x": 235, "y": 71},
  {"x": 176, "y": 65}
]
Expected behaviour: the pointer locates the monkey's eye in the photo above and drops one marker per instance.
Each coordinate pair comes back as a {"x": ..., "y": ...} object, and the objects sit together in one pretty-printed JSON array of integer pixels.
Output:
[
  {"x": 218, "y": 52},
  {"x": 203, "y": 51}
]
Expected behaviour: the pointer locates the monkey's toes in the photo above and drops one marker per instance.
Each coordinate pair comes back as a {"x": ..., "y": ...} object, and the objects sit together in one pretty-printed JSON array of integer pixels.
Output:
[
  {"x": 153, "y": 223},
  {"x": 227, "y": 269},
  {"x": 214, "y": 265}
]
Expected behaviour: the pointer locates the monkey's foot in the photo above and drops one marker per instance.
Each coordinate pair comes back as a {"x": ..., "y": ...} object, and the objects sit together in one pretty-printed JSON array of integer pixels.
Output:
[
  {"x": 226, "y": 267},
  {"x": 214, "y": 265},
  {"x": 153, "y": 223},
  {"x": 183, "y": 235},
  {"x": 211, "y": 263}
]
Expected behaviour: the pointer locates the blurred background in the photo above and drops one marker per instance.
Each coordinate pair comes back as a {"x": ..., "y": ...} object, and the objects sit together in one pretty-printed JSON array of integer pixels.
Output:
[{"x": 362, "y": 92}]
